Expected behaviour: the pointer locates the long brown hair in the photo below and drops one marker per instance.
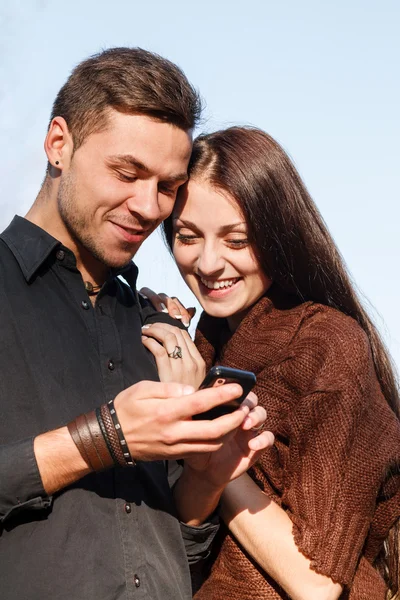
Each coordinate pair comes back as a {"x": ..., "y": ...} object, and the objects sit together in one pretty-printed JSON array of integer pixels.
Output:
[{"x": 292, "y": 243}]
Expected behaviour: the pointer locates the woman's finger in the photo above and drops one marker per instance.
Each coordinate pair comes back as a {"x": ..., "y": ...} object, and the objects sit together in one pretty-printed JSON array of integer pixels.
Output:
[
  {"x": 170, "y": 337},
  {"x": 262, "y": 441},
  {"x": 255, "y": 419},
  {"x": 154, "y": 298},
  {"x": 156, "y": 330},
  {"x": 176, "y": 308},
  {"x": 163, "y": 362}
]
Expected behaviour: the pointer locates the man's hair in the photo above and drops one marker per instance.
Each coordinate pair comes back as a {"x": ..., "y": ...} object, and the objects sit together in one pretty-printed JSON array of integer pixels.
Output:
[{"x": 131, "y": 81}]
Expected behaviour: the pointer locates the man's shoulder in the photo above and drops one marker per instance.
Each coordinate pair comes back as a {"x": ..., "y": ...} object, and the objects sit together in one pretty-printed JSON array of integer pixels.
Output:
[{"x": 8, "y": 261}]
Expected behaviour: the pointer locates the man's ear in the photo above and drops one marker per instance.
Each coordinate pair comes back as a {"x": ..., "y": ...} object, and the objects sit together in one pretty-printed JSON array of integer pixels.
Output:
[{"x": 58, "y": 144}]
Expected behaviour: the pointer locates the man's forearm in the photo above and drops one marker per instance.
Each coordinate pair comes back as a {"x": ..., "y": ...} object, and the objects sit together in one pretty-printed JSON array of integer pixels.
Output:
[
  {"x": 59, "y": 461},
  {"x": 31, "y": 470},
  {"x": 195, "y": 498}
]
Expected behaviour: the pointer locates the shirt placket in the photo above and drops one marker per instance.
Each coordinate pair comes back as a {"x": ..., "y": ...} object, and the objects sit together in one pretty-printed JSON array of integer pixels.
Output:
[{"x": 127, "y": 512}]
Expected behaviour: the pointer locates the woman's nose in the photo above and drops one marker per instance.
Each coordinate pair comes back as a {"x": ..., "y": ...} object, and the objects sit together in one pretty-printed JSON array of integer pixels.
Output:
[{"x": 210, "y": 262}]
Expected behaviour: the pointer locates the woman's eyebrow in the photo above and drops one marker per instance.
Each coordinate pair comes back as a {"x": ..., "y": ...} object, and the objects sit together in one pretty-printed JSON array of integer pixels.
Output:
[
  {"x": 232, "y": 227},
  {"x": 223, "y": 229}
]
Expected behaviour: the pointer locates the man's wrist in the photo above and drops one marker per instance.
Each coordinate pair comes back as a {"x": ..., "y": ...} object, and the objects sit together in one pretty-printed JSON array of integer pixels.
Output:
[{"x": 59, "y": 462}]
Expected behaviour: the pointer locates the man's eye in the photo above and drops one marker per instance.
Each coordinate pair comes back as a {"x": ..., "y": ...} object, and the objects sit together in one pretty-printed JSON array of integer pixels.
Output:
[
  {"x": 125, "y": 177},
  {"x": 168, "y": 191}
]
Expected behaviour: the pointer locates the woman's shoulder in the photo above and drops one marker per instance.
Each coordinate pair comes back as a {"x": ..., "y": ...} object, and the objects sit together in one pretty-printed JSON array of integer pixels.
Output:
[
  {"x": 331, "y": 327},
  {"x": 331, "y": 346}
]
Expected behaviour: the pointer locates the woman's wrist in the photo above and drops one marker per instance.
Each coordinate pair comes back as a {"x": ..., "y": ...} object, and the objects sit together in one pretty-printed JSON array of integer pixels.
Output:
[
  {"x": 196, "y": 497},
  {"x": 200, "y": 480}
]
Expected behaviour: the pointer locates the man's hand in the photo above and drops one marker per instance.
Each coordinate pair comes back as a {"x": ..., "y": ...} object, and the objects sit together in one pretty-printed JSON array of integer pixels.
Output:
[{"x": 156, "y": 419}]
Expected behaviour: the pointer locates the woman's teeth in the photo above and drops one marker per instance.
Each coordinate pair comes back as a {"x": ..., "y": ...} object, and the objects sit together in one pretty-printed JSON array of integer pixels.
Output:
[{"x": 216, "y": 285}]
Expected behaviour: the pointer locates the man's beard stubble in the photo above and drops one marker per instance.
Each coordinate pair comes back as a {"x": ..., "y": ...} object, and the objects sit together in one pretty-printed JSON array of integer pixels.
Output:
[{"x": 78, "y": 223}]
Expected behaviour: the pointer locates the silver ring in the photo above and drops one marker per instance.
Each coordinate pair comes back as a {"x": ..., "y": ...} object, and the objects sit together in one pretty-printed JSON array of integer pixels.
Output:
[
  {"x": 257, "y": 428},
  {"x": 176, "y": 353}
]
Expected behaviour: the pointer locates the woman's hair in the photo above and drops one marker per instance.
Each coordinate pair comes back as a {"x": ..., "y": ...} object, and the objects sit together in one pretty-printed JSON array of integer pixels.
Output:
[{"x": 290, "y": 239}]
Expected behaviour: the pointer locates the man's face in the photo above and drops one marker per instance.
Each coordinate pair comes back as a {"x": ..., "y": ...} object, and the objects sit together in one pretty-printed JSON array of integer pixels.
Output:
[{"x": 120, "y": 185}]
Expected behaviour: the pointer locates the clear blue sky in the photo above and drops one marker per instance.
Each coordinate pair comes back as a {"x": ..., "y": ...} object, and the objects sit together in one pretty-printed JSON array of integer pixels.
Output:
[{"x": 321, "y": 77}]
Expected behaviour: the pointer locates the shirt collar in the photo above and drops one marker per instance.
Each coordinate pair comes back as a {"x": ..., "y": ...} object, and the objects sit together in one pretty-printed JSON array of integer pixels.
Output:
[{"x": 30, "y": 245}]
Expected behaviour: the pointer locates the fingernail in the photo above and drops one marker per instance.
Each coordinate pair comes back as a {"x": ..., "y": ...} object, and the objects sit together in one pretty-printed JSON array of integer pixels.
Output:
[
  {"x": 177, "y": 316},
  {"x": 144, "y": 337},
  {"x": 146, "y": 327},
  {"x": 163, "y": 307},
  {"x": 143, "y": 296},
  {"x": 185, "y": 323}
]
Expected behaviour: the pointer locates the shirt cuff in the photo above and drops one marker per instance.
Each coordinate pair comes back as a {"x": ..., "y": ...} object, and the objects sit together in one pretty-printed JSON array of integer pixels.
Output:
[
  {"x": 198, "y": 540},
  {"x": 21, "y": 484}
]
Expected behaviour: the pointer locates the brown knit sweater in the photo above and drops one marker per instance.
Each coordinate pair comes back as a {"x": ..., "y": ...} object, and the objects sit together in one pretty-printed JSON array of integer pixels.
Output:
[{"x": 336, "y": 440}]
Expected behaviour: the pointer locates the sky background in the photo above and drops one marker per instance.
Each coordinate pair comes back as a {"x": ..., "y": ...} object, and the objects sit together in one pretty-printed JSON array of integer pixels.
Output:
[{"x": 321, "y": 77}]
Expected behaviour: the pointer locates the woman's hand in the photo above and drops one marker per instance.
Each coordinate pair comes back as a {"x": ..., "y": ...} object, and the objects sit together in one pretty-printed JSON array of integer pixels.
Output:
[
  {"x": 205, "y": 476},
  {"x": 176, "y": 355},
  {"x": 170, "y": 305},
  {"x": 240, "y": 450}
]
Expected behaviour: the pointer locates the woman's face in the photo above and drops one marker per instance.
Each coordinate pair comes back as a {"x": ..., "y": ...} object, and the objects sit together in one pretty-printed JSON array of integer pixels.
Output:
[{"x": 213, "y": 254}]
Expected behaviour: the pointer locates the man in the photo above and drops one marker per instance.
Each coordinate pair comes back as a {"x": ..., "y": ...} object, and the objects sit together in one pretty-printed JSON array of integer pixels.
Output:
[{"x": 118, "y": 147}]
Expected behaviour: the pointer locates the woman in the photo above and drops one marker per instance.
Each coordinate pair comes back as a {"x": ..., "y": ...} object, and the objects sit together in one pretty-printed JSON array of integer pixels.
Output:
[{"x": 317, "y": 516}]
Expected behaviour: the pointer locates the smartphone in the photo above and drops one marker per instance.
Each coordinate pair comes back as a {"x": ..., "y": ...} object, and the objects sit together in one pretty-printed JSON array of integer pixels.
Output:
[{"x": 219, "y": 376}]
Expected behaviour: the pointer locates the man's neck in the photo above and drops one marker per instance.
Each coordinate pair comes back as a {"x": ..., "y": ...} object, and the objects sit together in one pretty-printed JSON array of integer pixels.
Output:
[{"x": 45, "y": 214}]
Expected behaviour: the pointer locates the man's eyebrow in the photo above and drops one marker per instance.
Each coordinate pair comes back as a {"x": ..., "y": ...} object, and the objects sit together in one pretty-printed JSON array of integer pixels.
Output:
[{"x": 130, "y": 161}]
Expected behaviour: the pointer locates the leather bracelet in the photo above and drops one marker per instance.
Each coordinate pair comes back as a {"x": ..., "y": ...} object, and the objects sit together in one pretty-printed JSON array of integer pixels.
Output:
[
  {"x": 105, "y": 436},
  {"x": 88, "y": 438},
  {"x": 124, "y": 446},
  {"x": 99, "y": 442},
  {"x": 111, "y": 435}
]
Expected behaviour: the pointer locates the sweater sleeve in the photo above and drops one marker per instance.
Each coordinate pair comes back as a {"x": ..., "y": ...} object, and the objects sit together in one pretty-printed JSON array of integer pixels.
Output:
[{"x": 343, "y": 441}]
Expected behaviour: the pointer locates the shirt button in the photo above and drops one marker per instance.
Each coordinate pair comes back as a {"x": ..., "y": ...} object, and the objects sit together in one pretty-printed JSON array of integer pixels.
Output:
[
  {"x": 128, "y": 508},
  {"x": 111, "y": 365},
  {"x": 85, "y": 305},
  {"x": 60, "y": 255},
  {"x": 136, "y": 580}
]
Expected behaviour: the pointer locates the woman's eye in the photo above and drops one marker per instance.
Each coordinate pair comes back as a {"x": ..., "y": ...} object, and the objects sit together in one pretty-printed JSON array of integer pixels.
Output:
[
  {"x": 238, "y": 243},
  {"x": 186, "y": 239}
]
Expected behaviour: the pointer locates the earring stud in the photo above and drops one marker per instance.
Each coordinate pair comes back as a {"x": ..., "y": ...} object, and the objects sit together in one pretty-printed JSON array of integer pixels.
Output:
[{"x": 57, "y": 162}]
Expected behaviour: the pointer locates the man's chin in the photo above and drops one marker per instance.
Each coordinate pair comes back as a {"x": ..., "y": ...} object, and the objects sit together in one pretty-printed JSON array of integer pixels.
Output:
[
  {"x": 117, "y": 260},
  {"x": 116, "y": 263}
]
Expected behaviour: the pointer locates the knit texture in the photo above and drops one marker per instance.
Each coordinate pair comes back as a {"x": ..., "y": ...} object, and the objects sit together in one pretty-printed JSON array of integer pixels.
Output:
[{"x": 335, "y": 465}]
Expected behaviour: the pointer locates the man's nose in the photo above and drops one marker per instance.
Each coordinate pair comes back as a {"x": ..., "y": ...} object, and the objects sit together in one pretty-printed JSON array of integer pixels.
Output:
[{"x": 144, "y": 201}]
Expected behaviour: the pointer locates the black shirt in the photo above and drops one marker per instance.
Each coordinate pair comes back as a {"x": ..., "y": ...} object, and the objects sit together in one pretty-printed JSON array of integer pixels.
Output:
[{"x": 110, "y": 535}]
